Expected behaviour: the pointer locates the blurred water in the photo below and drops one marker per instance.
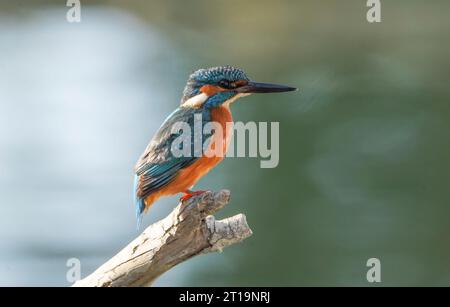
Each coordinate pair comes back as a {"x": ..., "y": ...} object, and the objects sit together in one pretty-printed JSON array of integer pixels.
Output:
[
  {"x": 75, "y": 116},
  {"x": 364, "y": 158}
]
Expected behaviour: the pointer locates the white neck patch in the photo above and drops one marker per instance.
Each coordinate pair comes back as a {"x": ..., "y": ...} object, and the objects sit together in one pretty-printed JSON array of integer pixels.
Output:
[{"x": 196, "y": 101}]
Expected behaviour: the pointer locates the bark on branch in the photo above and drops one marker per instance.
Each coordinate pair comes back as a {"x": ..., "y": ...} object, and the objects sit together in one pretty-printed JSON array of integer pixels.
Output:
[{"x": 189, "y": 230}]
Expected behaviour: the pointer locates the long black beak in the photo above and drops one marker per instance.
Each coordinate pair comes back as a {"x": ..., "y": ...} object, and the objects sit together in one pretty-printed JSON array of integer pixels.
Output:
[{"x": 257, "y": 87}]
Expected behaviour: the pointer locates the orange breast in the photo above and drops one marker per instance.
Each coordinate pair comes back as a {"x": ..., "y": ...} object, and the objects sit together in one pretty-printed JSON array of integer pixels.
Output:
[{"x": 189, "y": 176}]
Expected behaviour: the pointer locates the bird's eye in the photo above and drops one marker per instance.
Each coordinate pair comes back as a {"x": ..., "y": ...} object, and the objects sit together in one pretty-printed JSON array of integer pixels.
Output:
[{"x": 227, "y": 84}]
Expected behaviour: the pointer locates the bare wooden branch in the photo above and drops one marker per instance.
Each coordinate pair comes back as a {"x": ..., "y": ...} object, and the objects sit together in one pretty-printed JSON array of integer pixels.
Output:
[{"x": 189, "y": 230}]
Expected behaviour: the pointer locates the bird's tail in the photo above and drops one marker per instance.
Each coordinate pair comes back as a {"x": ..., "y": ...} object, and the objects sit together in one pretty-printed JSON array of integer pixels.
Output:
[{"x": 139, "y": 203}]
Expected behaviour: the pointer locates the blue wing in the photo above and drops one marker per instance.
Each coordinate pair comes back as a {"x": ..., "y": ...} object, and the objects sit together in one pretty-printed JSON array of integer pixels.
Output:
[{"x": 157, "y": 166}]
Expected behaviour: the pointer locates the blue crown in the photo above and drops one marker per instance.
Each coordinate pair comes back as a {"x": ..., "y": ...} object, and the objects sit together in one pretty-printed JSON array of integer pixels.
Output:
[{"x": 213, "y": 75}]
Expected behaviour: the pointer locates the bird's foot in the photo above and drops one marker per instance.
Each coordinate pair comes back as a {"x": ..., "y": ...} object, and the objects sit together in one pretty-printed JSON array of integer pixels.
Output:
[{"x": 188, "y": 194}]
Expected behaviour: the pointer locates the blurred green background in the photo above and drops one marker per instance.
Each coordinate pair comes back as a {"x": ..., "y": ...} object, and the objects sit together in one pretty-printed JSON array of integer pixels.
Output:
[{"x": 364, "y": 146}]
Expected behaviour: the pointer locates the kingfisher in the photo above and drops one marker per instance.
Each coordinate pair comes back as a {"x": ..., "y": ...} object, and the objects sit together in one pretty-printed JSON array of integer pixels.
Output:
[{"x": 207, "y": 96}]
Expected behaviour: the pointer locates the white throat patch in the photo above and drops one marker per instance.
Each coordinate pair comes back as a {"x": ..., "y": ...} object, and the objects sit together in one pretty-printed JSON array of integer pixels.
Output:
[{"x": 233, "y": 99}]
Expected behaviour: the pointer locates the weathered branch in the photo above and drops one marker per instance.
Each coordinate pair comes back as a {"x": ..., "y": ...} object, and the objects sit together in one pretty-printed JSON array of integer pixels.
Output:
[{"x": 189, "y": 230}]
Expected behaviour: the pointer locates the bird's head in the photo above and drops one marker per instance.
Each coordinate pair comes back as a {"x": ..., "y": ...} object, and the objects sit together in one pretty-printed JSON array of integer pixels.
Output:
[{"x": 213, "y": 87}]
